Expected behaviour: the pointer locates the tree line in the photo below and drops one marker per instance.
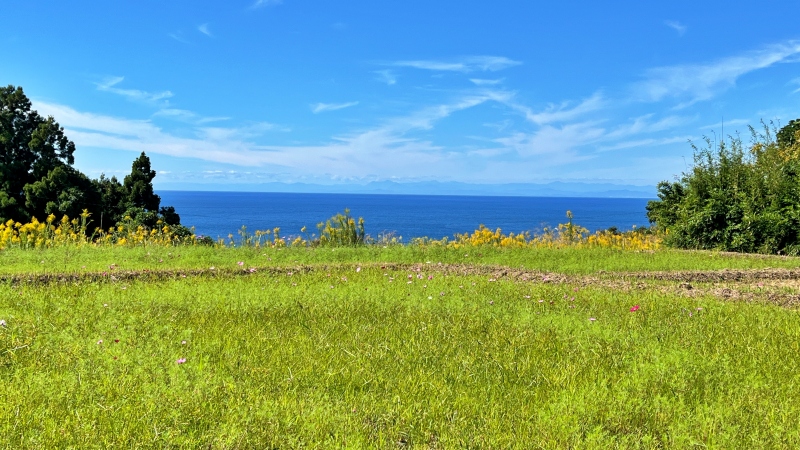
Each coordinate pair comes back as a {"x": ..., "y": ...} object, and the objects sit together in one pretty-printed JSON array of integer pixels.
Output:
[{"x": 37, "y": 177}]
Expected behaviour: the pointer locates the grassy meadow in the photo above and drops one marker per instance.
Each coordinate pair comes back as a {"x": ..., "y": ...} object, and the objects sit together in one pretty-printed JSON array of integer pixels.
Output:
[{"x": 397, "y": 347}]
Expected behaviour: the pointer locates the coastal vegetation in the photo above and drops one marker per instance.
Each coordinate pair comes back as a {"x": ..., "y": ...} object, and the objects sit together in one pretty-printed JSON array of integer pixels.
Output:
[
  {"x": 37, "y": 178},
  {"x": 736, "y": 198},
  {"x": 121, "y": 328}
]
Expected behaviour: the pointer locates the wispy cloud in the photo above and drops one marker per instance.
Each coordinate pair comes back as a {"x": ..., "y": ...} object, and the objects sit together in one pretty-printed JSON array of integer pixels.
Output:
[
  {"x": 563, "y": 112},
  {"x": 466, "y": 65},
  {"x": 204, "y": 29},
  {"x": 386, "y": 76},
  {"x": 109, "y": 85},
  {"x": 677, "y": 26},
  {"x": 697, "y": 82},
  {"x": 646, "y": 143},
  {"x": 178, "y": 36},
  {"x": 183, "y": 115},
  {"x": 322, "y": 107},
  {"x": 796, "y": 82},
  {"x": 262, "y": 3},
  {"x": 485, "y": 82}
]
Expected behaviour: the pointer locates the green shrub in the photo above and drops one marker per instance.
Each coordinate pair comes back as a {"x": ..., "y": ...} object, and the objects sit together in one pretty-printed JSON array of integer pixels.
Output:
[
  {"x": 735, "y": 199},
  {"x": 341, "y": 230}
]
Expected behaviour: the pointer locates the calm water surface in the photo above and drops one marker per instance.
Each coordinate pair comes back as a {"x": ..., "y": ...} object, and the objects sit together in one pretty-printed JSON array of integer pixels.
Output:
[{"x": 218, "y": 214}]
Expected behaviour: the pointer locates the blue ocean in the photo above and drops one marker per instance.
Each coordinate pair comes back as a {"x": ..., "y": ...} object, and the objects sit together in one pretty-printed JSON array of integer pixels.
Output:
[{"x": 218, "y": 214}]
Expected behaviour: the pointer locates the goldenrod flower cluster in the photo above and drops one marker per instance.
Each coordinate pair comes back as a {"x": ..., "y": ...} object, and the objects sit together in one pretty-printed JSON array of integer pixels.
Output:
[
  {"x": 564, "y": 235},
  {"x": 73, "y": 232}
]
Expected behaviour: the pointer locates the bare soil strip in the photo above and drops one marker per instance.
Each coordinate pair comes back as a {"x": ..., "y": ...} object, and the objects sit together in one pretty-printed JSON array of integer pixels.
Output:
[{"x": 774, "y": 286}]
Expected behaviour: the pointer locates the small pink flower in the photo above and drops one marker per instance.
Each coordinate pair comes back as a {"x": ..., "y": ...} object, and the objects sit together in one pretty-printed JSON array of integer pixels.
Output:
[
  {"x": 99, "y": 342},
  {"x": 180, "y": 361},
  {"x": 358, "y": 269},
  {"x": 430, "y": 277},
  {"x": 183, "y": 342},
  {"x": 592, "y": 319},
  {"x": 3, "y": 323},
  {"x": 241, "y": 263},
  {"x": 635, "y": 308},
  {"x": 252, "y": 270}
]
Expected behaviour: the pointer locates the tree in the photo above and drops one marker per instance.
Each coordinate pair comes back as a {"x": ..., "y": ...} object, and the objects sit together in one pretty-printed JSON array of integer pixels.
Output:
[
  {"x": 63, "y": 191},
  {"x": 139, "y": 185},
  {"x": 30, "y": 148},
  {"x": 37, "y": 178}
]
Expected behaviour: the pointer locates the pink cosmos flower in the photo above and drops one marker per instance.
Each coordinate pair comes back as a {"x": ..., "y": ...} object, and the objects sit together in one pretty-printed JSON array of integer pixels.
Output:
[
  {"x": 592, "y": 319},
  {"x": 180, "y": 361},
  {"x": 240, "y": 263},
  {"x": 635, "y": 308}
]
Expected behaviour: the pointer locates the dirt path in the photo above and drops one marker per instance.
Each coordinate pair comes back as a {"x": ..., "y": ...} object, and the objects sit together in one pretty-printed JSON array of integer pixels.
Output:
[{"x": 774, "y": 286}]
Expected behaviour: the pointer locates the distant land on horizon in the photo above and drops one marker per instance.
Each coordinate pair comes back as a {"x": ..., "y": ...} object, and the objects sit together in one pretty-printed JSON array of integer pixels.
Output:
[{"x": 553, "y": 189}]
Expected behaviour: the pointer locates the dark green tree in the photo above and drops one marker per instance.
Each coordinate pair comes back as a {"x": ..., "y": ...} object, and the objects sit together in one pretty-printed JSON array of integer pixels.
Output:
[
  {"x": 787, "y": 136},
  {"x": 113, "y": 201},
  {"x": 139, "y": 185},
  {"x": 63, "y": 191},
  {"x": 30, "y": 148},
  {"x": 37, "y": 178}
]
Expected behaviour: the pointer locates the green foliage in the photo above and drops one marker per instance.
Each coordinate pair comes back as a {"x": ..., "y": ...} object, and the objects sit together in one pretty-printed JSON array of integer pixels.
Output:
[
  {"x": 341, "y": 230},
  {"x": 64, "y": 191},
  {"x": 736, "y": 199},
  {"x": 30, "y": 148},
  {"x": 37, "y": 178},
  {"x": 139, "y": 185}
]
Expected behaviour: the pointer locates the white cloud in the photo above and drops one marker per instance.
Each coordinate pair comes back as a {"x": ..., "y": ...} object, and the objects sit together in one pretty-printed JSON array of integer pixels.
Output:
[
  {"x": 563, "y": 112},
  {"x": 677, "y": 26},
  {"x": 484, "y": 82},
  {"x": 649, "y": 142},
  {"x": 183, "y": 115},
  {"x": 204, "y": 29},
  {"x": 468, "y": 64},
  {"x": 697, "y": 82},
  {"x": 726, "y": 123},
  {"x": 262, "y": 3},
  {"x": 386, "y": 76},
  {"x": 795, "y": 81},
  {"x": 322, "y": 107},
  {"x": 558, "y": 143},
  {"x": 132, "y": 94}
]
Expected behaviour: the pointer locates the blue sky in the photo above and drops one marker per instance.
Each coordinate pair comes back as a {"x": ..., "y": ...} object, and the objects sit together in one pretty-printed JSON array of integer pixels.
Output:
[{"x": 257, "y": 91}]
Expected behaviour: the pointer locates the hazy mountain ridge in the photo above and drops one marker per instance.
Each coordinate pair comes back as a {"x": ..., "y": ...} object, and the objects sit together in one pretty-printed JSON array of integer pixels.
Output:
[{"x": 554, "y": 189}]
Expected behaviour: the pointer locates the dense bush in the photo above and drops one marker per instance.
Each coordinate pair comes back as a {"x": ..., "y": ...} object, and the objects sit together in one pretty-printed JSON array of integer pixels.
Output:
[{"x": 736, "y": 198}]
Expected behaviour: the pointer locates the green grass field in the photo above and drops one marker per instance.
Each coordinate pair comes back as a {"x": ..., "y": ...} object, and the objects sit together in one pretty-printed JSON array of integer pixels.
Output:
[{"x": 397, "y": 347}]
